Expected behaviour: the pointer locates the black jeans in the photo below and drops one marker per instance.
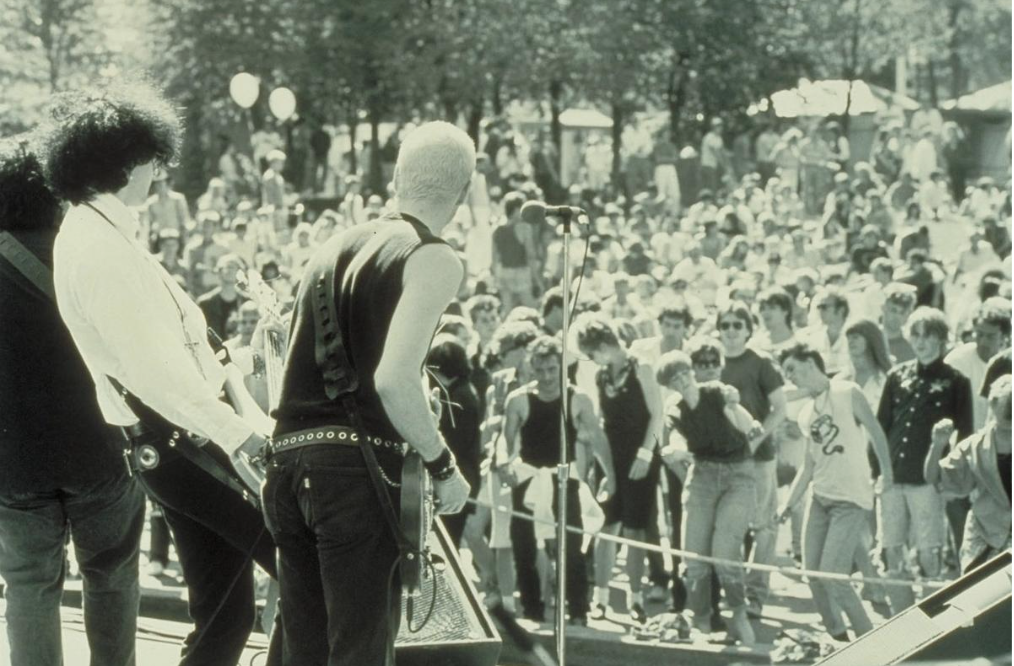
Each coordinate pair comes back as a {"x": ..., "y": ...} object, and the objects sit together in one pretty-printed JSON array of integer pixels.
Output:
[
  {"x": 523, "y": 541},
  {"x": 340, "y": 592},
  {"x": 218, "y": 536}
]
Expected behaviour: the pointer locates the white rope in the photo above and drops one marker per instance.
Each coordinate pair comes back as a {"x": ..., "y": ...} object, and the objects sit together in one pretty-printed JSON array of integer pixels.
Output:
[{"x": 770, "y": 568}]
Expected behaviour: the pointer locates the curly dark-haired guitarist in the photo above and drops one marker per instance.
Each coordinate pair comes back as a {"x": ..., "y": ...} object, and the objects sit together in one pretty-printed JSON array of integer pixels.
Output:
[
  {"x": 145, "y": 343},
  {"x": 368, "y": 306}
]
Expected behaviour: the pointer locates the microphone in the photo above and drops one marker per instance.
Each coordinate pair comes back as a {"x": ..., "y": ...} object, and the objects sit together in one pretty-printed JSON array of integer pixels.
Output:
[{"x": 536, "y": 212}]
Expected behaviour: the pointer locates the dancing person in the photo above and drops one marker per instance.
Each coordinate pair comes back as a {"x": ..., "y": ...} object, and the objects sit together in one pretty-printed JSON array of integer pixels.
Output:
[
  {"x": 708, "y": 429},
  {"x": 631, "y": 408},
  {"x": 834, "y": 418},
  {"x": 61, "y": 478},
  {"x": 377, "y": 290},
  {"x": 145, "y": 342}
]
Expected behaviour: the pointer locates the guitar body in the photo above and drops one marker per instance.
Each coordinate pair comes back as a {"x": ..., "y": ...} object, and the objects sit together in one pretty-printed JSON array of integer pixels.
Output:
[{"x": 417, "y": 513}]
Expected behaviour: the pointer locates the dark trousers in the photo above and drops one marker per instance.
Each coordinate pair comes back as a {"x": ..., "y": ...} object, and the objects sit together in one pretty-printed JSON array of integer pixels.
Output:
[
  {"x": 218, "y": 536},
  {"x": 105, "y": 519},
  {"x": 158, "y": 549},
  {"x": 524, "y": 544},
  {"x": 675, "y": 502},
  {"x": 340, "y": 592}
]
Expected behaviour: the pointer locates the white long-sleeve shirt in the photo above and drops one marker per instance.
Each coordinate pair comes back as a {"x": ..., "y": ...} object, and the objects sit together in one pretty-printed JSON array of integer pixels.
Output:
[{"x": 124, "y": 313}]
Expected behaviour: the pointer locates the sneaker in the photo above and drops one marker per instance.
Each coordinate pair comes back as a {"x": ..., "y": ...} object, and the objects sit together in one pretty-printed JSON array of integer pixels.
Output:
[
  {"x": 155, "y": 568},
  {"x": 637, "y": 613},
  {"x": 578, "y": 621},
  {"x": 754, "y": 609},
  {"x": 599, "y": 611},
  {"x": 717, "y": 623}
]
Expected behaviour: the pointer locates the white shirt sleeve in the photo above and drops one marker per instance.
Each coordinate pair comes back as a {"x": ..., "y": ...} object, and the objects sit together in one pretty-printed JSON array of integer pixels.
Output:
[{"x": 127, "y": 326}]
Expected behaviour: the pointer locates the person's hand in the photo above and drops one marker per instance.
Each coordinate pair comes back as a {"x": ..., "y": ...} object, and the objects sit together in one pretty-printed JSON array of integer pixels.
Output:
[
  {"x": 942, "y": 432},
  {"x": 508, "y": 474},
  {"x": 272, "y": 324},
  {"x": 607, "y": 488},
  {"x": 883, "y": 482},
  {"x": 436, "y": 406},
  {"x": 783, "y": 513},
  {"x": 674, "y": 459},
  {"x": 731, "y": 395},
  {"x": 451, "y": 494},
  {"x": 252, "y": 448},
  {"x": 639, "y": 469}
]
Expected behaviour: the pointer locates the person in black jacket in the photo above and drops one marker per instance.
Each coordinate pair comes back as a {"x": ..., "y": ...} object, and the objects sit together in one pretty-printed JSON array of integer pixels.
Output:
[{"x": 60, "y": 469}]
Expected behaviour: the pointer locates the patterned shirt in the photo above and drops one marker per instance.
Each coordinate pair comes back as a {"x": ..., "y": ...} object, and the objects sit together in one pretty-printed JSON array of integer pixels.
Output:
[{"x": 915, "y": 398}]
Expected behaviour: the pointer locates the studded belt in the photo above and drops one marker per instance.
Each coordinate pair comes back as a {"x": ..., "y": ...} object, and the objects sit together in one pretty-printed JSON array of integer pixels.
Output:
[{"x": 330, "y": 435}]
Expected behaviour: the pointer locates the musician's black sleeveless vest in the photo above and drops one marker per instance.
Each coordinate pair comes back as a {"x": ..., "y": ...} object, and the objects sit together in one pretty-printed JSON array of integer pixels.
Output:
[{"x": 369, "y": 263}]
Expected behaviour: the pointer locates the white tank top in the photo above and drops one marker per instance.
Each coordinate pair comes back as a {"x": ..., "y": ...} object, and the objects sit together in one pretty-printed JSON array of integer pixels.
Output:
[{"x": 838, "y": 446}]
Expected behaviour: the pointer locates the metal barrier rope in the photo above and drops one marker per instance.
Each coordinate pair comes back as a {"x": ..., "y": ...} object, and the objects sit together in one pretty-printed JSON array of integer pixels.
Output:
[{"x": 770, "y": 568}]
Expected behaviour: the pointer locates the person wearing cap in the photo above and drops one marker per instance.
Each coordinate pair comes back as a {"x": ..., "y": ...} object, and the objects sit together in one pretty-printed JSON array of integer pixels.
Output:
[
  {"x": 223, "y": 301},
  {"x": 828, "y": 337},
  {"x": 273, "y": 188},
  {"x": 202, "y": 252},
  {"x": 166, "y": 209},
  {"x": 923, "y": 159},
  {"x": 934, "y": 196},
  {"x": 353, "y": 206},
  {"x": 991, "y": 332},
  {"x": 168, "y": 251},
  {"x": 299, "y": 251},
  {"x": 514, "y": 256},
  {"x": 665, "y": 155},
  {"x": 700, "y": 272},
  {"x": 869, "y": 248},
  {"x": 714, "y": 159},
  {"x": 787, "y": 159}
]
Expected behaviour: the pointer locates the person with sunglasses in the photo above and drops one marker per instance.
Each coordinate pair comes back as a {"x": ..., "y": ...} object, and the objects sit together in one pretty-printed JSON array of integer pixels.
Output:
[
  {"x": 707, "y": 429},
  {"x": 756, "y": 377}
]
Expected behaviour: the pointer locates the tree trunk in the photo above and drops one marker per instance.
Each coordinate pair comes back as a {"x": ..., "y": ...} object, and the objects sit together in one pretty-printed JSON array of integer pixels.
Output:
[
  {"x": 475, "y": 119},
  {"x": 932, "y": 83},
  {"x": 676, "y": 97},
  {"x": 376, "y": 175},
  {"x": 555, "y": 102},
  {"x": 617, "y": 132},
  {"x": 957, "y": 75},
  {"x": 353, "y": 123},
  {"x": 497, "y": 94}
]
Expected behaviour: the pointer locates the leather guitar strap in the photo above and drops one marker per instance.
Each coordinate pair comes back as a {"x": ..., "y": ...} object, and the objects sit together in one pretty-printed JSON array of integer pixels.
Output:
[{"x": 341, "y": 382}]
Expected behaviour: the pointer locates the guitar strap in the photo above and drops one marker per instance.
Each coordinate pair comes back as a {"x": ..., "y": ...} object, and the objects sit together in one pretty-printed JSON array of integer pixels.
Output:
[
  {"x": 341, "y": 382},
  {"x": 42, "y": 278}
]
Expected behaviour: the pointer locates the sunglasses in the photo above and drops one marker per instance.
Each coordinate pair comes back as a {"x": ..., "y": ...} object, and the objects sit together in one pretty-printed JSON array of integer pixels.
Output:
[
  {"x": 731, "y": 325},
  {"x": 705, "y": 363}
]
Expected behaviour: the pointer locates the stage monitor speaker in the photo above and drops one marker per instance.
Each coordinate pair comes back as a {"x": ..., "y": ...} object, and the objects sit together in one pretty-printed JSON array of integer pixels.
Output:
[
  {"x": 459, "y": 632},
  {"x": 967, "y": 620}
]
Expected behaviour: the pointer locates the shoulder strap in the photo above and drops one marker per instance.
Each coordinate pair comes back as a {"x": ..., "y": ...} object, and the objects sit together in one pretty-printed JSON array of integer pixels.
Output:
[
  {"x": 341, "y": 382},
  {"x": 27, "y": 264}
]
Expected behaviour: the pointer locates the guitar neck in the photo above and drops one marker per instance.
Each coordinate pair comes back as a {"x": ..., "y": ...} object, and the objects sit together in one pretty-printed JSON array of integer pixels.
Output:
[{"x": 274, "y": 360}]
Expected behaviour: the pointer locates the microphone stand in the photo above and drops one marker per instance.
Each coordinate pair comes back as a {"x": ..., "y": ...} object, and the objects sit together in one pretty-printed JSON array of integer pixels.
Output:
[{"x": 563, "y": 468}]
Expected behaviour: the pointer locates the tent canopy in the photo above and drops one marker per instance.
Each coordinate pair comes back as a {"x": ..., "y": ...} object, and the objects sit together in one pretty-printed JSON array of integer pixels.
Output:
[
  {"x": 831, "y": 97},
  {"x": 994, "y": 99}
]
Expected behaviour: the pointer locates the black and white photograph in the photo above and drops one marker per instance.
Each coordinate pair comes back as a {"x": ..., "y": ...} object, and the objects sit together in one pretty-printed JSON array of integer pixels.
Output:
[{"x": 505, "y": 332}]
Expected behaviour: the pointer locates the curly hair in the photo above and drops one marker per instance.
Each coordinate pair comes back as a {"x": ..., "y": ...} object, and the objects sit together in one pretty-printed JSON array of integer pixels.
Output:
[
  {"x": 595, "y": 332},
  {"x": 545, "y": 347},
  {"x": 26, "y": 202},
  {"x": 99, "y": 136},
  {"x": 448, "y": 357},
  {"x": 513, "y": 335}
]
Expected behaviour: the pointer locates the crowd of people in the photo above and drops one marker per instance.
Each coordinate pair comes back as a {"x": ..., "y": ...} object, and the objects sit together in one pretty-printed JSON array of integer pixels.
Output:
[
  {"x": 781, "y": 353},
  {"x": 798, "y": 298}
]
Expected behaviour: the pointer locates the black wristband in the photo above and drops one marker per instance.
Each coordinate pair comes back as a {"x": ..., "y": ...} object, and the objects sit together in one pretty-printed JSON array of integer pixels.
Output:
[{"x": 443, "y": 466}]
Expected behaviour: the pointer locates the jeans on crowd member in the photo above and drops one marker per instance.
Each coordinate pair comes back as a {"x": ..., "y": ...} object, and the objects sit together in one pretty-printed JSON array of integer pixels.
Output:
[
  {"x": 218, "y": 536},
  {"x": 525, "y": 551},
  {"x": 717, "y": 503},
  {"x": 916, "y": 509},
  {"x": 336, "y": 556},
  {"x": 105, "y": 519},
  {"x": 829, "y": 545},
  {"x": 765, "y": 530},
  {"x": 957, "y": 515},
  {"x": 675, "y": 502}
]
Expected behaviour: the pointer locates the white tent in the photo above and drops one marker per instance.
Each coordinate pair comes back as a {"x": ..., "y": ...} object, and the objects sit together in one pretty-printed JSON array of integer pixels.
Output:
[
  {"x": 833, "y": 96},
  {"x": 994, "y": 99}
]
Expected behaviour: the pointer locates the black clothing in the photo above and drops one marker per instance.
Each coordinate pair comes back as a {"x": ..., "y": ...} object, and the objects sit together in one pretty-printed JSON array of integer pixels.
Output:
[
  {"x": 999, "y": 366},
  {"x": 626, "y": 418},
  {"x": 1003, "y": 462},
  {"x": 915, "y": 398},
  {"x": 708, "y": 433},
  {"x": 510, "y": 250},
  {"x": 370, "y": 261},
  {"x": 217, "y": 310},
  {"x": 540, "y": 433},
  {"x": 52, "y": 434}
]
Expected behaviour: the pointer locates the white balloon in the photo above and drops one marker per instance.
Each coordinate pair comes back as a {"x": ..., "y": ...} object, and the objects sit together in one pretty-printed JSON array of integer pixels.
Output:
[
  {"x": 244, "y": 89},
  {"x": 282, "y": 103}
]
